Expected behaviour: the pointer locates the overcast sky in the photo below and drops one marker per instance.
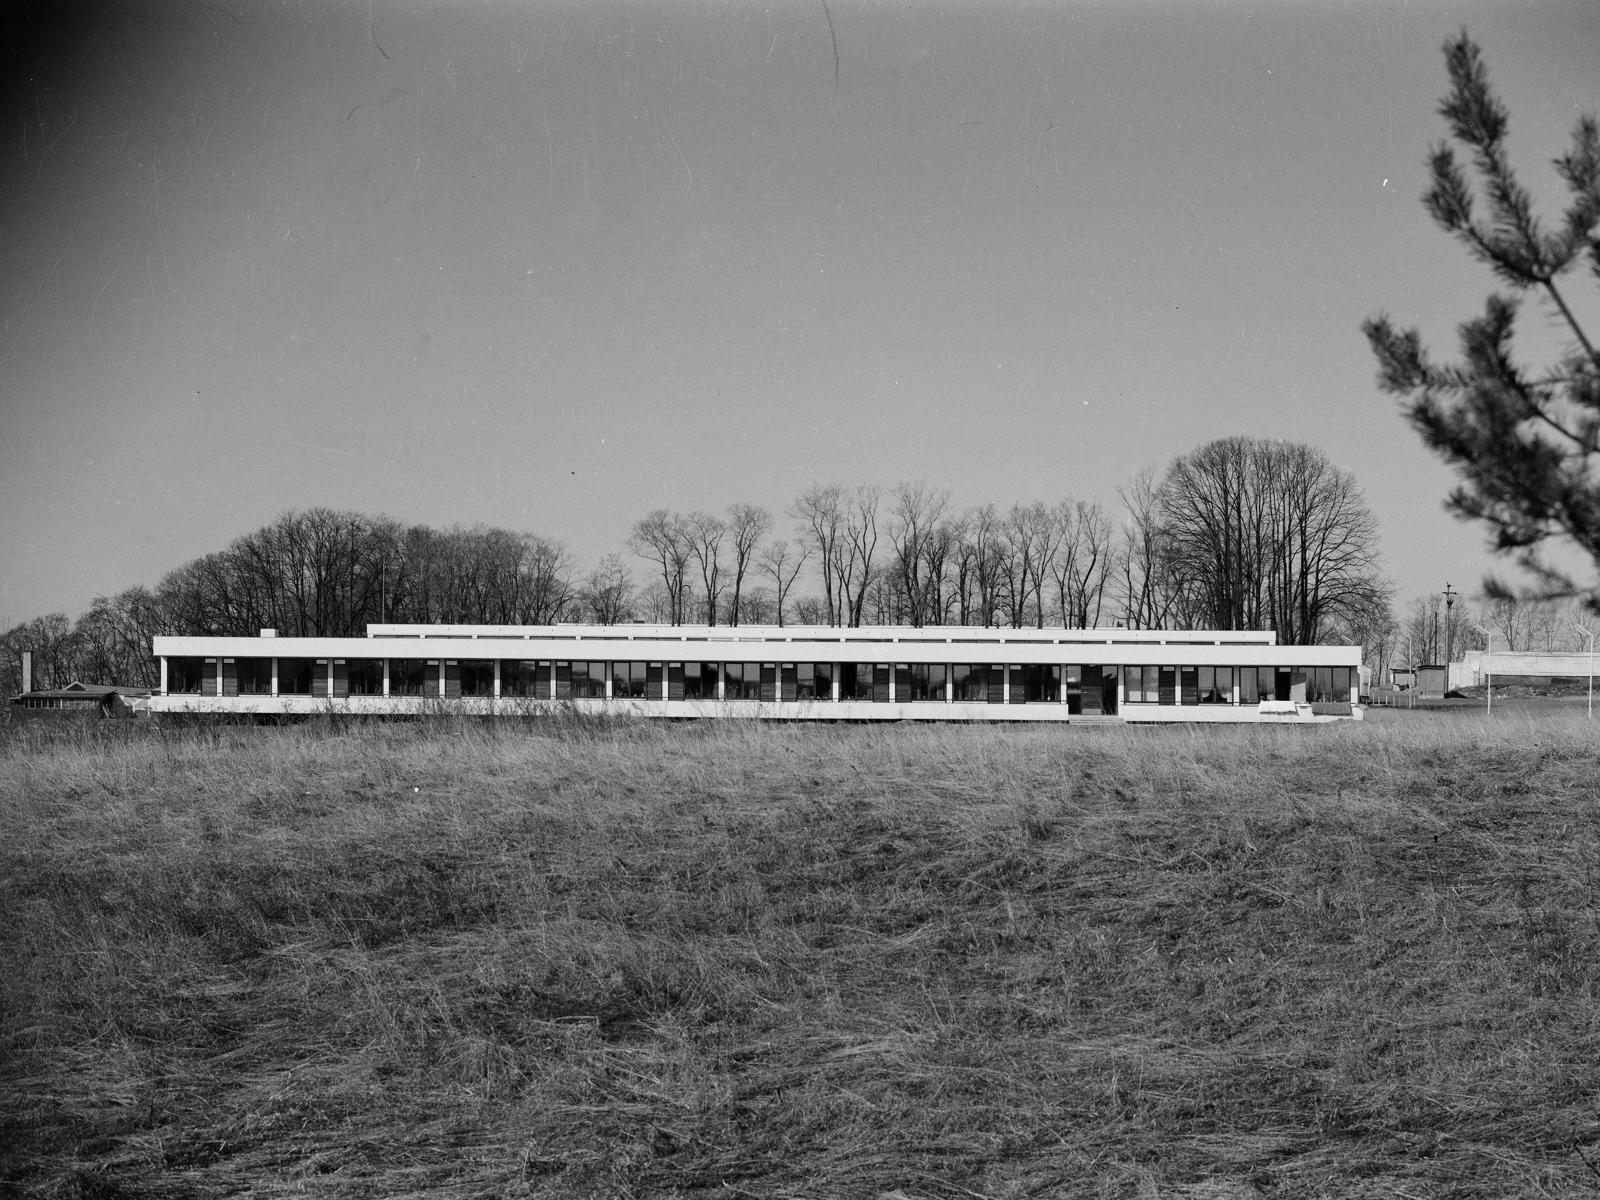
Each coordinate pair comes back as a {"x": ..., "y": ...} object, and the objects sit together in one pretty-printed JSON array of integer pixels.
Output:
[{"x": 552, "y": 265}]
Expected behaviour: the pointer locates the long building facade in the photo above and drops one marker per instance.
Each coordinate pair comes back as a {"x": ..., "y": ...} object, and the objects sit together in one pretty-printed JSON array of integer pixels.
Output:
[{"x": 894, "y": 673}]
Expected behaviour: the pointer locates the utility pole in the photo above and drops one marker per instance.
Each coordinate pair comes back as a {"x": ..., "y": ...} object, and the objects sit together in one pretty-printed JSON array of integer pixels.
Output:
[{"x": 1449, "y": 631}]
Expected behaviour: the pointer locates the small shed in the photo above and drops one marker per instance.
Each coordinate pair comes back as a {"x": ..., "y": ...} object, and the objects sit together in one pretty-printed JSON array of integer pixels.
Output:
[{"x": 1431, "y": 683}]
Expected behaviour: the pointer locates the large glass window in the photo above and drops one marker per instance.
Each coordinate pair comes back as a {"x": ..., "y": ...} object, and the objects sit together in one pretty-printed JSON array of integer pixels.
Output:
[
  {"x": 1142, "y": 685},
  {"x": 1257, "y": 684},
  {"x": 255, "y": 677},
  {"x": 1040, "y": 683},
  {"x": 1216, "y": 685},
  {"x": 477, "y": 676},
  {"x": 927, "y": 682},
  {"x": 699, "y": 681},
  {"x": 588, "y": 681},
  {"x": 855, "y": 681},
  {"x": 364, "y": 676},
  {"x": 813, "y": 681},
  {"x": 629, "y": 681},
  {"x": 741, "y": 681},
  {"x": 408, "y": 676},
  {"x": 520, "y": 677},
  {"x": 184, "y": 675},
  {"x": 1328, "y": 685},
  {"x": 971, "y": 682},
  {"x": 296, "y": 676}
]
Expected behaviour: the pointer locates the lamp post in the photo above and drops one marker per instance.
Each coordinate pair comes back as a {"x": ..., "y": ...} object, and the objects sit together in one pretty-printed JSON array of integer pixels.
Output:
[
  {"x": 1488, "y": 664},
  {"x": 1584, "y": 629}
]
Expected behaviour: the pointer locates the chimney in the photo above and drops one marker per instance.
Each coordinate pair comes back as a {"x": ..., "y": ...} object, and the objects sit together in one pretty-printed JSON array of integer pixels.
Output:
[
  {"x": 269, "y": 633},
  {"x": 27, "y": 671}
]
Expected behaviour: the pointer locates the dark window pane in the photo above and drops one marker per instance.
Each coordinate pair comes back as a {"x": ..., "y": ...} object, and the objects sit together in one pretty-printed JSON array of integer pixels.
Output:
[
  {"x": 1042, "y": 683},
  {"x": 364, "y": 676},
  {"x": 255, "y": 676},
  {"x": 477, "y": 677},
  {"x": 184, "y": 675},
  {"x": 520, "y": 677},
  {"x": 407, "y": 676},
  {"x": 928, "y": 682}
]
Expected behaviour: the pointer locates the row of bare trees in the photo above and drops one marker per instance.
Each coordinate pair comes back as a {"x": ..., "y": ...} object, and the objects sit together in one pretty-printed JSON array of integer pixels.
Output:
[
  {"x": 902, "y": 557},
  {"x": 320, "y": 573},
  {"x": 1240, "y": 534}
]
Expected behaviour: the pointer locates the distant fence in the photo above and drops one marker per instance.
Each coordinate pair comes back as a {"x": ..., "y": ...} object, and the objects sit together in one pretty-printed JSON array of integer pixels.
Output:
[{"x": 1393, "y": 697}]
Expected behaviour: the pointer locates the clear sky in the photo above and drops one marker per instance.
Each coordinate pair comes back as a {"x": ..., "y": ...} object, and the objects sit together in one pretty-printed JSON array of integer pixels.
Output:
[{"x": 552, "y": 265}]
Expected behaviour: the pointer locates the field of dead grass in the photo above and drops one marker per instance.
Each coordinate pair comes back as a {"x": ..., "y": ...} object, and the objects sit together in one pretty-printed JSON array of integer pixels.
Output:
[{"x": 629, "y": 960}]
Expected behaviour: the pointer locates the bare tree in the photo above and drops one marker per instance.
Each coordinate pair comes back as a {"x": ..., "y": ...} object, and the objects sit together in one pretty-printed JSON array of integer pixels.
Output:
[
  {"x": 661, "y": 537},
  {"x": 979, "y": 565},
  {"x": 1267, "y": 535},
  {"x": 920, "y": 538},
  {"x": 1032, "y": 537},
  {"x": 820, "y": 511},
  {"x": 747, "y": 525},
  {"x": 1148, "y": 594},
  {"x": 860, "y": 545},
  {"x": 782, "y": 565},
  {"x": 1082, "y": 567},
  {"x": 608, "y": 590},
  {"x": 706, "y": 533}
]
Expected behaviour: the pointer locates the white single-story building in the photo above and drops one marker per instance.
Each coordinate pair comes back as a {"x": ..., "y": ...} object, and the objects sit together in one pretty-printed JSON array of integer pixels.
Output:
[{"x": 794, "y": 673}]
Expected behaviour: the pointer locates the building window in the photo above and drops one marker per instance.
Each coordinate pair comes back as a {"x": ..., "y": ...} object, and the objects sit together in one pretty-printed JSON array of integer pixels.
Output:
[
  {"x": 364, "y": 676},
  {"x": 1216, "y": 685},
  {"x": 1039, "y": 683},
  {"x": 741, "y": 681},
  {"x": 520, "y": 677},
  {"x": 589, "y": 680},
  {"x": 477, "y": 677},
  {"x": 1142, "y": 685},
  {"x": 971, "y": 682},
  {"x": 855, "y": 681},
  {"x": 408, "y": 676},
  {"x": 295, "y": 676},
  {"x": 927, "y": 682},
  {"x": 699, "y": 681},
  {"x": 1328, "y": 685},
  {"x": 629, "y": 681},
  {"x": 1257, "y": 684},
  {"x": 255, "y": 676},
  {"x": 184, "y": 675},
  {"x": 813, "y": 681}
]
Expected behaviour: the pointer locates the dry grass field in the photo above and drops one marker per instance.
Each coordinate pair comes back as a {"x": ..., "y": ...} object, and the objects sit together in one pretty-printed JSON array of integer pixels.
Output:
[{"x": 629, "y": 960}]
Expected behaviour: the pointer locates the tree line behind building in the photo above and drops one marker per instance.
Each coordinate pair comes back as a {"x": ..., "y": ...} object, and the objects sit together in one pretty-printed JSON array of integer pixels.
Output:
[{"x": 1239, "y": 534}]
